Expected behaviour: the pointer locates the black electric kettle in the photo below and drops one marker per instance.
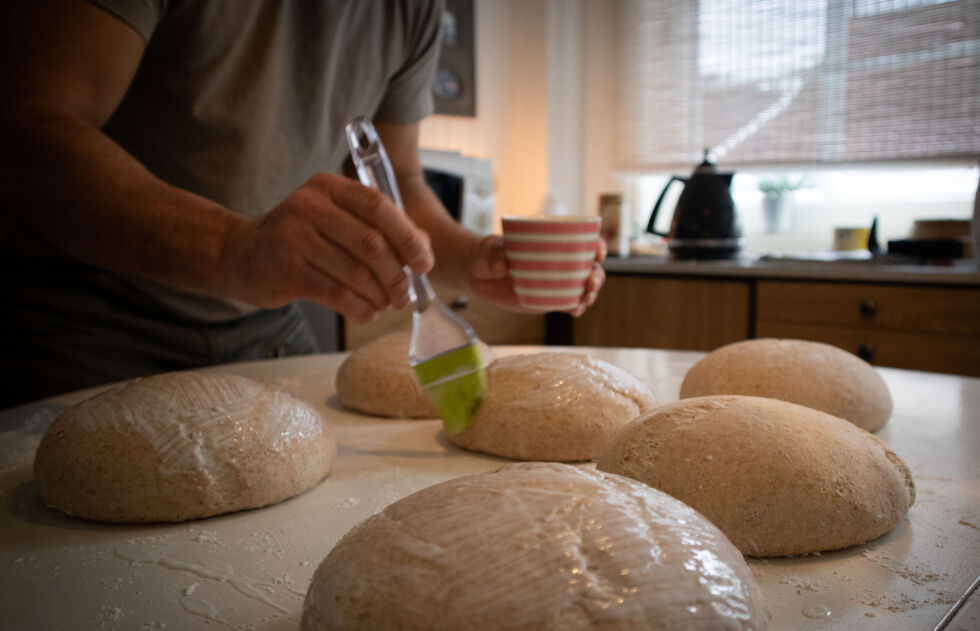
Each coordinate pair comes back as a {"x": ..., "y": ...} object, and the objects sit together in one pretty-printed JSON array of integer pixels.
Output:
[{"x": 705, "y": 224}]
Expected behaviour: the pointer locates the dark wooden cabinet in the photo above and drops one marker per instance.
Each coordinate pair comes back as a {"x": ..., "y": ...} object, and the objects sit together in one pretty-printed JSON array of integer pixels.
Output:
[
  {"x": 920, "y": 328},
  {"x": 916, "y": 326},
  {"x": 671, "y": 313}
]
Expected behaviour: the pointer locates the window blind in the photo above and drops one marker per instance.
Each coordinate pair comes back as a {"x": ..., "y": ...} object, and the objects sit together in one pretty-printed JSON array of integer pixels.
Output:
[{"x": 796, "y": 82}]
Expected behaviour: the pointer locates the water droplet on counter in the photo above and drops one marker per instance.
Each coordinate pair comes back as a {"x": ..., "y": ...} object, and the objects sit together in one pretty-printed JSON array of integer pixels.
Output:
[
  {"x": 203, "y": 608},
  {"x": 293, "y": 590},
  {"x": 215, "y": 570},
  {"x": 816, "y": 612},
  {"x": 135, "y": 554}
]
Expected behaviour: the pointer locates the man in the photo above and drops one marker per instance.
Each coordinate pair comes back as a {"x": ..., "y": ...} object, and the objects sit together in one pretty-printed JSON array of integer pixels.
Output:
[{"x": 171, "y": 182}]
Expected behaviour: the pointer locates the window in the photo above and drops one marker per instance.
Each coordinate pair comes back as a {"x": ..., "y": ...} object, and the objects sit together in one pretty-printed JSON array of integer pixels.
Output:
[
  {"x": 798, "y": 81},
  {"x": 875, "y": 102}
]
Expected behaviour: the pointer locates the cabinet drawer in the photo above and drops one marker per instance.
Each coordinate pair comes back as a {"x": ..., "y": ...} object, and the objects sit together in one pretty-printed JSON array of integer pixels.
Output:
[
  {"x": 952, "y": 310},
  {"x": 956, "y": 354},
  {"x": 492, "y": 324},
  {"x": 635, "y": 311}
]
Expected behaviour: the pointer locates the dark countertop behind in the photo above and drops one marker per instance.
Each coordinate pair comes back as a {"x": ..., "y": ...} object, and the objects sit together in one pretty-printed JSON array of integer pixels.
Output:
[{"x": 961, "y": 272}]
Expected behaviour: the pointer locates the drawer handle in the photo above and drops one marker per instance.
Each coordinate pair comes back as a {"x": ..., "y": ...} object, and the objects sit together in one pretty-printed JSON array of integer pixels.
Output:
[
  {"x": 867, "y": 352},
  {"x": 459, "y": 303},
  {"x": 868, "y": 308}
]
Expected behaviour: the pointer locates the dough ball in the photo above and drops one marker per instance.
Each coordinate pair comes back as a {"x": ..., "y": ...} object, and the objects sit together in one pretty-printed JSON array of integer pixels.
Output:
[
  {"x": 553, "y": 406},
  {"x": 377, "y": 379},
  {"x": 777, "y": 478},
  {"x": 813, "y": 374},
  {"x": 179, "y": 446},
  {"x": 534, "y": 546}
]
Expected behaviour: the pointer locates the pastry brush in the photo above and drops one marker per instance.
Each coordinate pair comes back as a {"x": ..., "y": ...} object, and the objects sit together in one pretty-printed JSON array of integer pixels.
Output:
[{"x": 444, "y": 351}]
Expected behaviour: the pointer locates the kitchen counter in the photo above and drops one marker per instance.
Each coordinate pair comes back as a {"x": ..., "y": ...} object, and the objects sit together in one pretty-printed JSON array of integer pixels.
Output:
[
  {"x": 250, "y": 570},
  {"x": 964, "y": 272}
]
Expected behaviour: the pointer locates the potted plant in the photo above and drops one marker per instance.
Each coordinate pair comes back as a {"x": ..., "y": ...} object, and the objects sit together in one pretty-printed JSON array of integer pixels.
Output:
[{"x": 777, "y": 201}]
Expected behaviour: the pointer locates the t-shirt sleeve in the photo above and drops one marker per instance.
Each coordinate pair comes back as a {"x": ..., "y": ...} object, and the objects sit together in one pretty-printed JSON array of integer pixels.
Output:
[
  {"x": 141, "y": 15},
  {"x": 408, "y": 98}
]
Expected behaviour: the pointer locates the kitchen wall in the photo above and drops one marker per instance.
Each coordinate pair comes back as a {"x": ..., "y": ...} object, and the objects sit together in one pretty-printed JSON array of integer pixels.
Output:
[{"x": 542, "y": 94}]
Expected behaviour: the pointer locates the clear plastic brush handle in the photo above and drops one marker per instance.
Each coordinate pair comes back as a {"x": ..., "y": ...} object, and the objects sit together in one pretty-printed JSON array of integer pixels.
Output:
[{"x": 374, "y": 170}]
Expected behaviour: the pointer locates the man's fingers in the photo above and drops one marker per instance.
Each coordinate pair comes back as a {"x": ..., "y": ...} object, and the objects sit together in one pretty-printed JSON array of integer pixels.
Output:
[
  {"x": 335, "y": 263},
  {"x": 488, "y": 261},
  {"x": 334, "y": 295},
  {"x": 359, "y": 255},
  {"x": 410, "y": 244},
  {"x": 592, "y": 285},
  {"x": 602, "y": 249},
  {"x": 596, "y": 279}
]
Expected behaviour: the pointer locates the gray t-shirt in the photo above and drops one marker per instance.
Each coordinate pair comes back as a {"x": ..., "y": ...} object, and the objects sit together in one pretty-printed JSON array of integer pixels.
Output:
[{"x": 242, "y": 101}]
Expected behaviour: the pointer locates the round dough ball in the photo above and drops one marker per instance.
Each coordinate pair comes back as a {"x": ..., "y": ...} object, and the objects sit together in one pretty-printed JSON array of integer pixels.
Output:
[
  {"x": 553, "y": 406},
  {"x": 777, "y": 478},
  {"x": 534, "y": 546},
  {"x": 813, "y": 374},
  {"x": 179, "y": 446},
  {"x": 377, "y": 379}
]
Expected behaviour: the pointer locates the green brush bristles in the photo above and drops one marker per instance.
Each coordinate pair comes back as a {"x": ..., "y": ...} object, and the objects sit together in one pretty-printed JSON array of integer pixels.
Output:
[{"x": 454, "y": 381}]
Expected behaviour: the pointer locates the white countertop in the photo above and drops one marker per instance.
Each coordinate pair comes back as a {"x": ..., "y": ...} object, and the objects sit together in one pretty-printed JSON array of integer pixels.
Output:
[{"x": 250, "y": 570}]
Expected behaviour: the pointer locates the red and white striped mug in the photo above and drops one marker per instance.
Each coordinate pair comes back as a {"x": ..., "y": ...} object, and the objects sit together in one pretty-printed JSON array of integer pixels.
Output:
[{"x": 550, "y": 258}]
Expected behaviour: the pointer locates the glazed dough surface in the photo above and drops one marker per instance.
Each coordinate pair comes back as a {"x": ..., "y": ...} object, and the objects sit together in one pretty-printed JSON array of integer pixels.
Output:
[
  {"x": 553, "y": 406},
  {"x": 180, "y": 446},
  {"x": 777, "y": 478},
  {"x": 817, "y": 375},
  {"x": 377, "y": 379},
  {"x": 534, "y": 546}
]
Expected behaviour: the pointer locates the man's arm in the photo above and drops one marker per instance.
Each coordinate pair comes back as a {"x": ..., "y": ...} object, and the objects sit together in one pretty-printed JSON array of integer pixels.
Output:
[
  {"x": 70, "y": 183},
  {"x": 67, "y": 65}
]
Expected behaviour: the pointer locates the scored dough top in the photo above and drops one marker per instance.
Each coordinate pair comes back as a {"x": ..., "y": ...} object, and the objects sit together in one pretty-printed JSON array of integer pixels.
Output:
[
  {"x": 553, "y": 406},
  {"x": 187, "y": 416},
  {"x": 535, "y": 546}
]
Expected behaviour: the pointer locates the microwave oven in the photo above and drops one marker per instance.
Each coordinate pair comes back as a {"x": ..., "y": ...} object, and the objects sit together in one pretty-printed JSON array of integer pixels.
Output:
[{"x": 464, "y": 185}]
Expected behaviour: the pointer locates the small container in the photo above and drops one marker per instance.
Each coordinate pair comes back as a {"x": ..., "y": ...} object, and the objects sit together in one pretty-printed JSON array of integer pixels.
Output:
[
  {"x": 615, "y": 223},
  {"x": 847, "y": 239}
]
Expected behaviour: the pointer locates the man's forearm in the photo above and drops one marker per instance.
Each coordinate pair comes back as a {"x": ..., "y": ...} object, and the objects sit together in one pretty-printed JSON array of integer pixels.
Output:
[
  {"x": 455, "y": 247},
  {"x": 80, "y": 192}
]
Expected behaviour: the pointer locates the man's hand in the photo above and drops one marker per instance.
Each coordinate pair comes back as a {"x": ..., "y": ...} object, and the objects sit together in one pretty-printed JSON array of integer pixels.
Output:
[
  {"x": 333, "y": 241},
  {"x": 489, "y": 277}
]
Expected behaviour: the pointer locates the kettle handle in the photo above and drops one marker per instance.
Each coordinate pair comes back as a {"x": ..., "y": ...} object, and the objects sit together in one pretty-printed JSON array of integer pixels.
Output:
[{"x": 656, "y": 207}]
